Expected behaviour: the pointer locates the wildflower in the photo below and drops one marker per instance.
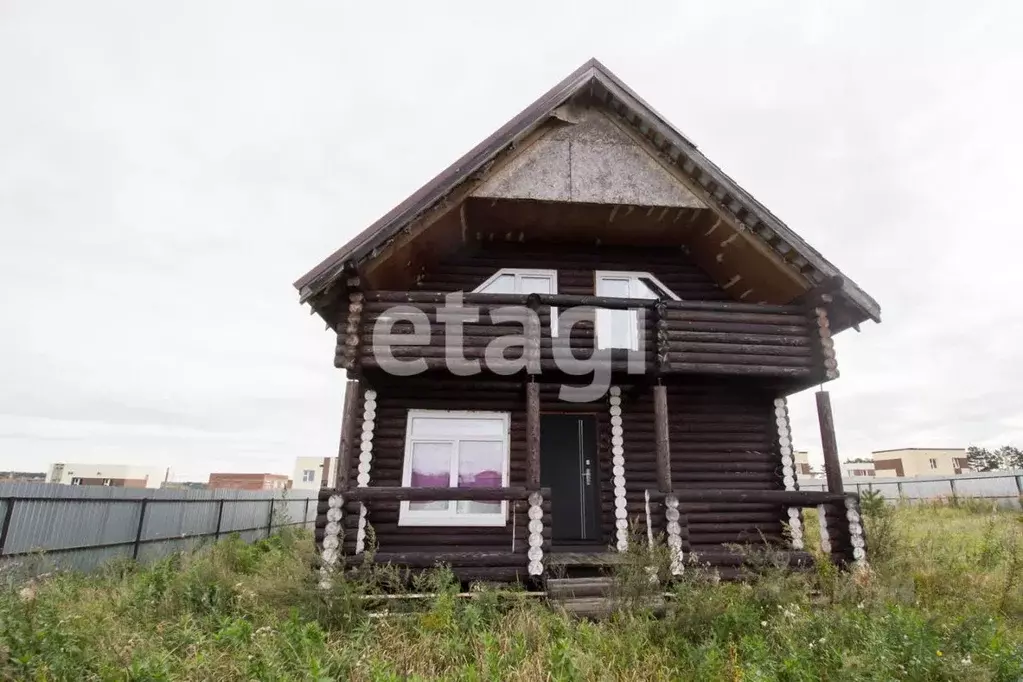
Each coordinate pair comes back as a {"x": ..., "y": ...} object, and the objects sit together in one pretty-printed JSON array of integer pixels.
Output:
[
  {"x": 967, "y": 660},
  {"x": 860, "y": 605},
  {"x": 939, "y": 652},
  {"x": 763, "y": 623},
  {"x": 821, "y": 640}
]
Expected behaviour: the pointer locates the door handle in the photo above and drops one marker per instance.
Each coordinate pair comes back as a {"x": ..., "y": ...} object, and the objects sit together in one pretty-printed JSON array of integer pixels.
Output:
[{"x": 587, "y": 475}]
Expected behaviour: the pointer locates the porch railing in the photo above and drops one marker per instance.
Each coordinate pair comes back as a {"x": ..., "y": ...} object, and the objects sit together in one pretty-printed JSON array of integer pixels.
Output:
[
  {"x": 675, "y": 337},
  {"x": 531, "y": 529},
  {"x": 841, "y": 528}
]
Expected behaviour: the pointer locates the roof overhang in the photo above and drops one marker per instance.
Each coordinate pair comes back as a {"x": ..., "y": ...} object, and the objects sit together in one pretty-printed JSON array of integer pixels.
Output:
[{"x": 597, "y": 84}]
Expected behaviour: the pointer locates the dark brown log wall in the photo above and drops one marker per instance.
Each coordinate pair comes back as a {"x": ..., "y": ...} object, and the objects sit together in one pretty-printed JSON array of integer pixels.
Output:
[
  {"x": 394, "y": 399},
  {"x": 575, "y": 264},
  {"x": 723, "y": 436},
  {"x": 721, "y": 429}
]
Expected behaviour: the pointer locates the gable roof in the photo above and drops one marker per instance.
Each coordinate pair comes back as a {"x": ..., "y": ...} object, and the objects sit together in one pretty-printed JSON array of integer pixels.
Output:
[{"x": 596, "y": 80}]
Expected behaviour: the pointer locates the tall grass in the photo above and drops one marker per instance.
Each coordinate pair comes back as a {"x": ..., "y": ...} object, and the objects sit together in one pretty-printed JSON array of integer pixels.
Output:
[{"x": 943, "y": 600}]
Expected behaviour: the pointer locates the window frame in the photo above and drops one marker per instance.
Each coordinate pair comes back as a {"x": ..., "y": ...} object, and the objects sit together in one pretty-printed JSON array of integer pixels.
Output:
[
  {"x": 528, "y": 272},
  {"x": 450, "y": 517},
  {"x": 630, "y": 275},
  {"x": 521, "y": 272},
  {"x": 308, "y": 475}
]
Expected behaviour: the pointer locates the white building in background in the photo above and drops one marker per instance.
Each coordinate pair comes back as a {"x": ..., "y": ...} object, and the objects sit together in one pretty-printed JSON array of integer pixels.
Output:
[
  {"x": 313, "y": 473},
  {"x": 801, "y": 459},
  {"x": 854, "y": 469},
  {"x": 921, "y": 462},
  {"x": 113, "y": 475}
]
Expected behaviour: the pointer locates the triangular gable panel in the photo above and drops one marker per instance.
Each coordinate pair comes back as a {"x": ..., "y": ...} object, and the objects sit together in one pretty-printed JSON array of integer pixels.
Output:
[{"x": 587, "y": 158}]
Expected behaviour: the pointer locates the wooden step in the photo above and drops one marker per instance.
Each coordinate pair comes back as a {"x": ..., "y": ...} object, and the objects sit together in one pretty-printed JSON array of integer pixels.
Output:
[
  {"x": 601, "y": 607},
  {"x": 588, "y": 607},
  {"x": 568, "y": 588},
  {"x": 590, "y": 597}
]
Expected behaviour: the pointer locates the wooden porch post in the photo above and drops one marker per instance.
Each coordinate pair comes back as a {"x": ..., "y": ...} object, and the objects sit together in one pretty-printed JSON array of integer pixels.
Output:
[
  {"x": 341, "y": 477},
  {"x": 663, "y": 444},
  {"x": 832, "y": 467},
  {"x": 532, "y": 435}
]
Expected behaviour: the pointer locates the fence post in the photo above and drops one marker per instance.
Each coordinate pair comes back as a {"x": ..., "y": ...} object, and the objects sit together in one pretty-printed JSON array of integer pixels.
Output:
[
  {"x": 270, "y": 521},
  {"x": 7, "y": 523},
  {"x": 305, "y": 514},
  {"x": 952, "y": 487},
  {"x": 220, "y": 519},
  {"x": 138, "y": 532},
  {"x": 898, "y": 487},
  {"x": 1019, "y": 487}
]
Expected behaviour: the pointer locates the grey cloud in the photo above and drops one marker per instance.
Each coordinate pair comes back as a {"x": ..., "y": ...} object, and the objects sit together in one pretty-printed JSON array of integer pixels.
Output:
[{"x": 166, "y": 171}]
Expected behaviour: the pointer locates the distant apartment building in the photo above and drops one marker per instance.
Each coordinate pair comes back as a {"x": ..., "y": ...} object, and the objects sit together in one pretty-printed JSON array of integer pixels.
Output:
[
  {"x": 801, "y": 459},
  {"x": 233, "y": 481},
  {"x": 850, "y": 469},
  {"x": 112, "y": 475},
  {"x": 920, "y": 462},
  {"x": 313, "y": 473}
]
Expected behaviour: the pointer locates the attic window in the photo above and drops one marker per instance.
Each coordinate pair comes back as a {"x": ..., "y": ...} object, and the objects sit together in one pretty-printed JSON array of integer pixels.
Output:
[
  {"x": 519, "y": 281},
  {"x": 523, "y": 281},
  {"x": 620, "y": 328}
]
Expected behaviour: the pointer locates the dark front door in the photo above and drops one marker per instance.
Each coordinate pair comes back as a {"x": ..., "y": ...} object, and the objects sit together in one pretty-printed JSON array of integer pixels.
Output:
[{"x": 568, "y": 466}]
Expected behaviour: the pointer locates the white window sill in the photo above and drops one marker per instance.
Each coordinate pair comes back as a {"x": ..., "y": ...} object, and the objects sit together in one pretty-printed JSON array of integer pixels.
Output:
[{"x": 467, "y": 520}]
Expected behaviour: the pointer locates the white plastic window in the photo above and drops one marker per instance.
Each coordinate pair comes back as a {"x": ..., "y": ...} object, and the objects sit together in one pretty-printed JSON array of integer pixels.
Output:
[
  {"x": 620, "y": 328},
  {"x": 521, "y": 281},
  {"x": 456, "y": 450}
]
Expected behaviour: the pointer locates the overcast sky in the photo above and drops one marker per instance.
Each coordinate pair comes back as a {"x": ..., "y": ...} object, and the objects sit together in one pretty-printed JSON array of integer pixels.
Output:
[{"x": 168, "y": 169}]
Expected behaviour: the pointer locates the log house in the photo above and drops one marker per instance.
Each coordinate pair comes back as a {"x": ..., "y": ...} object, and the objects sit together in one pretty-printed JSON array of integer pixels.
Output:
[{"x": 702, "y": 309}]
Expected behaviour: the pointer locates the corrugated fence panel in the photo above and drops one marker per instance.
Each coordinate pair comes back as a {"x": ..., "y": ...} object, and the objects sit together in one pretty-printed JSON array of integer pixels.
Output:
[
  {"x": 890, "y": 491},
  {"x": 988, "y": 487},
  {"x": 1003, "y": 487},
  {"x": 49, "y": 526}
]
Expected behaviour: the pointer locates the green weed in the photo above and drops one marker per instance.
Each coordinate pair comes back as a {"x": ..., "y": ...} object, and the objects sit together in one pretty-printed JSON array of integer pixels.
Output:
[{"x": 942, "y": 600}]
